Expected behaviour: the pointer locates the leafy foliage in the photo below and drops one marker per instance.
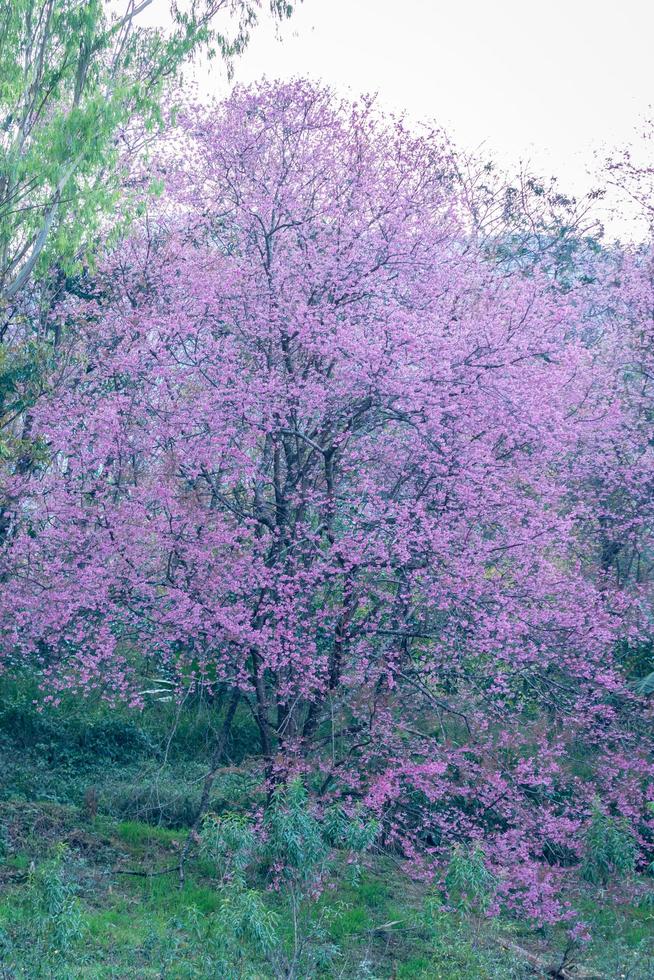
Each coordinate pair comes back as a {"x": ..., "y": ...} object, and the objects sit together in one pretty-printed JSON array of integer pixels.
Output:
[
  {"x": 610, "y": 848},
  {"x": 75, "y": 79},
  {"x": 295, "y": 848},
  {"x": 469, "y": 883}
]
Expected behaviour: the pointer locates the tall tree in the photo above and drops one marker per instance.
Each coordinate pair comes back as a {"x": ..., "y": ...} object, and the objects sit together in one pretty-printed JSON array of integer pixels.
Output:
[
  {"x": 318, "y": 452},
  {"x": 75, "y": 75}
]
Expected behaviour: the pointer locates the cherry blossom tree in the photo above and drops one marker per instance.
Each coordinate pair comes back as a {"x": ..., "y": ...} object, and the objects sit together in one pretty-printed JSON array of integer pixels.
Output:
[{"x": 319, "y": 454}]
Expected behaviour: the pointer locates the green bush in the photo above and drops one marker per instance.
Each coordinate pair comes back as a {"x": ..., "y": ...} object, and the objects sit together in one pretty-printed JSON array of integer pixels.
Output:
[
  {"x": 610, "y": 849},
  {"x": 292, "y": 852},
  {"x": 468, "y": 882},
  {"x": 45, "y": 927}
]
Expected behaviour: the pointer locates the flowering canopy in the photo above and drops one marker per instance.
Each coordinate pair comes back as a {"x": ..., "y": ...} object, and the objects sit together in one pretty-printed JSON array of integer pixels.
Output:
[{"x": 316, "y": 447}]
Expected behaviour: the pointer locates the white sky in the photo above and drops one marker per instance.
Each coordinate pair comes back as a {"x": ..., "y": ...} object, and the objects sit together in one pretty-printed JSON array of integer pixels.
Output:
[{"x": 549, "y": 83}]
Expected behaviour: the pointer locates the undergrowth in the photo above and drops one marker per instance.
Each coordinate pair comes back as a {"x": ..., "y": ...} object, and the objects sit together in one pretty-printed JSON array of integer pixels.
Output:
[{"x": 95, "y": 812}]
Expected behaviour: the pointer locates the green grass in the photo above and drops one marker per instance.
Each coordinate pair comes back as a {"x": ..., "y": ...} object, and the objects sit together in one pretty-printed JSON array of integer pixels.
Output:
[
  {"x": 143, "y": 835},
  {"x": 143, "y": 926},
  {"x": 139, "y": 927}
]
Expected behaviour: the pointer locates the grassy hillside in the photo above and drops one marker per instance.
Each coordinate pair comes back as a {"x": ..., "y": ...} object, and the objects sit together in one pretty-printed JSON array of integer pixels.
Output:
[{"x": 95, "y": 809}]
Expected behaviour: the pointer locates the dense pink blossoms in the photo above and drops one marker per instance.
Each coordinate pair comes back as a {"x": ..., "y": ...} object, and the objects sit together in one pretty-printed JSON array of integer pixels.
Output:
[{"x": 316, "y": 446}]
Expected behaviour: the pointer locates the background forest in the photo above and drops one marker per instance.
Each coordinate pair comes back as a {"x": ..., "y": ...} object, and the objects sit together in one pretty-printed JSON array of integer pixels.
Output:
[{"x": 326, "y": 475}]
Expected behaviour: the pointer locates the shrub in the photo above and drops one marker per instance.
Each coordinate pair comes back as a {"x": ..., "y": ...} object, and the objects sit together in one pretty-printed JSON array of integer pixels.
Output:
[
  {"x": 53, "y": 902},
  {"x": 292, "y": 852},
  {"x": 468, "y": 881},
  {"x": 610, "y": 848}
]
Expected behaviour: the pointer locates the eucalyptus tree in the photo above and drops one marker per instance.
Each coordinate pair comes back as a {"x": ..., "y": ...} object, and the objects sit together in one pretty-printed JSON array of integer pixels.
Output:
[{"x": 78, "y": 80}]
